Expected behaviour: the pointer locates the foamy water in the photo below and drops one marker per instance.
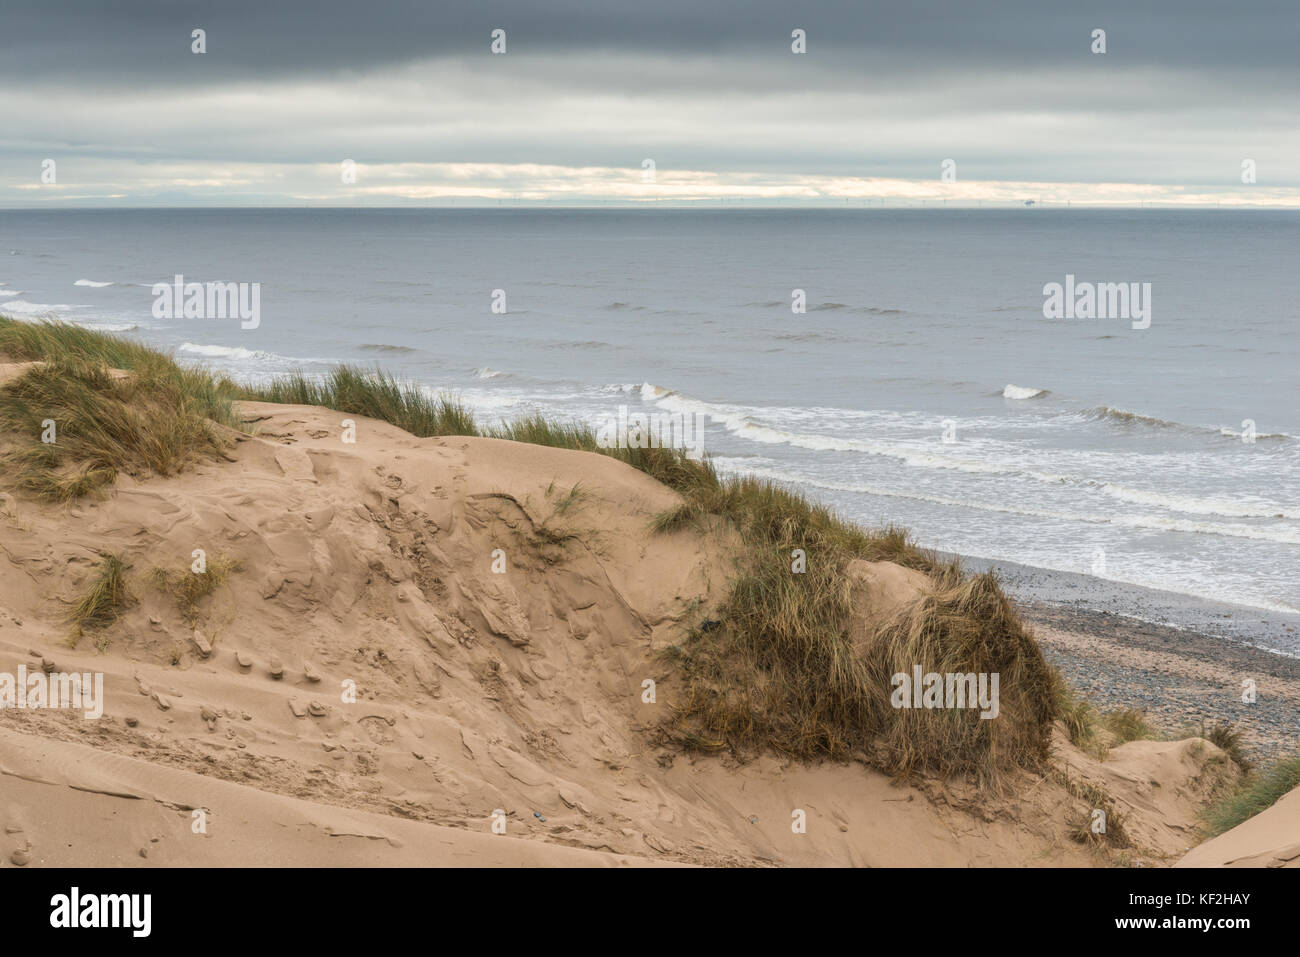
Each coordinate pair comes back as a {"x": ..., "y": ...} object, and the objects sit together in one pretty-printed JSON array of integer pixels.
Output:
[{"x": 922, "y": 387}]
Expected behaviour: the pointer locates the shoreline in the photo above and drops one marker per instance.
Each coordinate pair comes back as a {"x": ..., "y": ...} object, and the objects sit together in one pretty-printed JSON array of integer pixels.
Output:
[
  {"x": 1272, "y": 632},
  {"x": 1179, "y": 659},
  {"x": 1178, "y": 678}
]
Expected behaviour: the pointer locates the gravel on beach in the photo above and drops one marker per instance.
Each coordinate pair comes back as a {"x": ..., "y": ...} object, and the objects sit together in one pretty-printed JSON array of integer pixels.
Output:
[{"x": 1183, "y": 680}]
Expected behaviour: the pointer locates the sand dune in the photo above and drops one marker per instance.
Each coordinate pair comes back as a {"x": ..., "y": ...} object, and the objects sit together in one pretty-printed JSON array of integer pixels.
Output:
[
  {"x": 1269, "y": 839},
  {"x": 497, "y": 608}
]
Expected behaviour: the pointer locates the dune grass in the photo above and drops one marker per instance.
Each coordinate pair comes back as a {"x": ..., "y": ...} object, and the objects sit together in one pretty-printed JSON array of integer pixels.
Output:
[
  {"x": 104, "y": 599},
  {"x": 371, "y": 393},
  {"x": 776, "y": 669},
  {"x": 1229, "y": 738},
  {"x": 1129, "y": 724},
  {"x": 1257, "y": 792},
  {"x": 72, "y": 424},
  {"x": 187, "y": 588}
]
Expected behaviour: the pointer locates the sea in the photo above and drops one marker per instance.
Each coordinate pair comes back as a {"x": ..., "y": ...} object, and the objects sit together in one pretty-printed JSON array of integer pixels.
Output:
[{"x": 897, "y": 364}]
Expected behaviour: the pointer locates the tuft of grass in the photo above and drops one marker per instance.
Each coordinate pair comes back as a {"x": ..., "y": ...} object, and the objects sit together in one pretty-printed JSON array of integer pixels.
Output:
[
  {"x": 103, "y": 424},
  {"x": 1228, "y": 738},
  {"x": 152, "y": 415},
  {"x": 1256, "y": 793},
  {"x": 782, "y": 672},
  {"x": 1080, "y": 717},
  {"x": 1095, "y": 799},
  {"x": 105, "y": 598},
  {"x": 43, "y": 341},
  {"x": 964, "y": 627},
  {"x": 374, "y": 394},
  {"x": 187, "y": 589},
  {"x": 1129, "y": 725}
]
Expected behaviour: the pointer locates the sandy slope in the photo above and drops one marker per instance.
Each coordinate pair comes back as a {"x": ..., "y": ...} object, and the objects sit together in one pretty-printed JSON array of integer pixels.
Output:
[
  {"x": 372, "y": 563},
  {"x": 1269, "y": 839}
]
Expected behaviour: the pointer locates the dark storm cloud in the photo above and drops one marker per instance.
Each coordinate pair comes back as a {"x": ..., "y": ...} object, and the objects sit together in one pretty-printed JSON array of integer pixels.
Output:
[{"x": 146, "y": 42}]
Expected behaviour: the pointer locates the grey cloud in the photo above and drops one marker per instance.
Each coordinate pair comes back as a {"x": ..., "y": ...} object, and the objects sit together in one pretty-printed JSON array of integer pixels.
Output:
[{"x": 146, "y": 42}]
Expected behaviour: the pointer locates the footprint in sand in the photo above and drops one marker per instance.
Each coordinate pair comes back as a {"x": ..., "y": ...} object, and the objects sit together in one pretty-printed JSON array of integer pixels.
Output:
[
  {"x": 209, "y": 716},
  {"x": 276, "y": 667},
  {"x": 311, "y": 673},
  {"x": 163, "y": 702},
  {"x": 317, "y": 709},
  {"x": 243, "y": 659},
  {"x": 202, "y": 643},
  {"x": 296, "y": 707}
]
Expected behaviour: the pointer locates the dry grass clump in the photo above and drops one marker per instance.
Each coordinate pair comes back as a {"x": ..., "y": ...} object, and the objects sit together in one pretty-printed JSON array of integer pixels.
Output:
[
  {"x": 110, "y": 406},
  {"x": 964, "y": 628},
  {"x": 188, "y": 588},
  {"x": 374, "y": 394},
  {"x": 104, "y": 600},
  {"x": 102, "y": 424},
  {"x": 781, "y": 672}
]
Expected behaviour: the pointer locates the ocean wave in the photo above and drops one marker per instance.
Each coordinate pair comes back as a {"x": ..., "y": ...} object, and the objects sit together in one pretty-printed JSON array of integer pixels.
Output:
[
  {"x": 738, "y": 421},
  {"x": 385, "y": 347},
  {"x": 1198, "y": 506},
  {"x": 11, "y": 292},
  {"x": 1022, "y": 392},
  {"x": 487, "y": 373},
  {"x": 1232, "y": 433},
  {"x": 20, "y": 307},
  {"x": 109, "y": 326},
  {"x": 1153, "y": 522},
  {"x": 93, "y": 284},
  {"x": 1124, "y": 417},
  {"x": 865, "y": 310},
  {"x": 224, "y": 352},
  {"x": 808, "y": 337},
  {"x": 1129, "y": 418}
]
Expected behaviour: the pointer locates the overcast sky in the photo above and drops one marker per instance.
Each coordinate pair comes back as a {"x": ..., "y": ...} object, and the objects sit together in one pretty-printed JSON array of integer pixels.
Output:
[{"x": 710, "y": 90}]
